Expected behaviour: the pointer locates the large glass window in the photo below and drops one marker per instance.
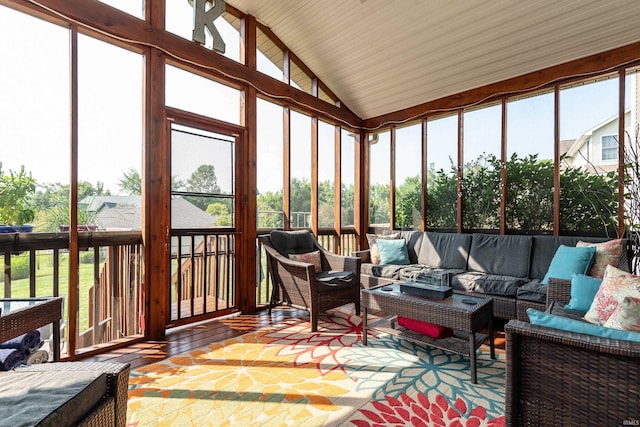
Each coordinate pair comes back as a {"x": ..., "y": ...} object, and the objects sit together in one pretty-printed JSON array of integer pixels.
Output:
[
  {"x": 588, "y": 185},
  {"x": 609, "y": 147},
  {"x": 132, "y": 7},
  {"x": 196, "y": 94},
  {"x": 408, "y": 177},
  {"x": 442, "y": 172},
  {"x": 179, "y": 21},
  {"x": 530, "y": 159},
  {"x": 481, "y": 173},
  {"x": 270, "y": 164},
  {"x": 348, "y": 177},
  {"x": 110, "y": 136},
  {"x": 632, "y": 161},
  {"x": 35, "y": 106},
  {"x": 269, "y": 56},
  {"x": 326, "y": 174},
  {"x": 379, "y": 178},
  {"x": 299, "y": 78},
  {"x": 300, "y": 163}
]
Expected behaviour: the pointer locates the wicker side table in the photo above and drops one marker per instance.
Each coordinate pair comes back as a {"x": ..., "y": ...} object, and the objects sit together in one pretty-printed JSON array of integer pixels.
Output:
[
  {"x": 20, "y": 316},
  {"x": 465, "y": 319}
]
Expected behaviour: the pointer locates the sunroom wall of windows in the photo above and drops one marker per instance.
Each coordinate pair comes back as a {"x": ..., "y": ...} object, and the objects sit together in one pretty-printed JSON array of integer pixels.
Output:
[{"x": 516, "y": 192}]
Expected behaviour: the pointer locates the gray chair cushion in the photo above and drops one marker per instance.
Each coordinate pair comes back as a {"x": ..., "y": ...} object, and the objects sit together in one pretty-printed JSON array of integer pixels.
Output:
[
  {"x": 501, "y": 255},
  {"x": 49, "y": 398},
  {"x": 292, "y": 242},
  {"x": 487, "y": 283},
  {"x": 444, "y": 250},
  {"x": 533, "y": 291}
]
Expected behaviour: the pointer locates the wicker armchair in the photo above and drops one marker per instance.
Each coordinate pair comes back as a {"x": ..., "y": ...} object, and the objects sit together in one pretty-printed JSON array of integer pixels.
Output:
[
  {"x": 560, "y": 378},
  {"x": 298, "y": 284}
]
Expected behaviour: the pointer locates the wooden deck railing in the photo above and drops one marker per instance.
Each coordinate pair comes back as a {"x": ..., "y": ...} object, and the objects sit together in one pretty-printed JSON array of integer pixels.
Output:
[
  {"x": 203, "y": 275},
  {"x": 110, "y": 281}
]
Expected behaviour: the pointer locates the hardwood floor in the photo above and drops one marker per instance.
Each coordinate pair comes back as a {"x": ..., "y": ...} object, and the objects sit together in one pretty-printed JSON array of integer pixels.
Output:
[
  {"x": 183, "y": 339},
  {"x": 186, "y": 338}
]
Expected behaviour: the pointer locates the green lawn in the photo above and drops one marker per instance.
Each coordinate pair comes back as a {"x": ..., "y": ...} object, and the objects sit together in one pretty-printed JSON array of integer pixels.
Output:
[{"x": 44, "y": 281}]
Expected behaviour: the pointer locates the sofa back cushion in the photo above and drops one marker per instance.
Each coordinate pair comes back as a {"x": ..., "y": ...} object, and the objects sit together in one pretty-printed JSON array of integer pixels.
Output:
[
  {"x": 545, "y": 247},
  {"x": 502, "y": 255},
  {"x": 444, "y": 250},
  {"x": 414, "y": 242}
]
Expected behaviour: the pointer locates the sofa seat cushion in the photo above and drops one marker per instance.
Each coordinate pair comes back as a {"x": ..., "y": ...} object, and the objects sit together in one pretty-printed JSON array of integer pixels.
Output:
[
  {"x": 491, "y": 284},
  {"x": 533, "y": 291},
  {"x": 49, "y": 398}
]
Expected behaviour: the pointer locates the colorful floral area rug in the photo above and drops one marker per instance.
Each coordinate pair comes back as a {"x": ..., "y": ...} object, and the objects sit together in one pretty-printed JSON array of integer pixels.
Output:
[{"x": 288, "y": 376}]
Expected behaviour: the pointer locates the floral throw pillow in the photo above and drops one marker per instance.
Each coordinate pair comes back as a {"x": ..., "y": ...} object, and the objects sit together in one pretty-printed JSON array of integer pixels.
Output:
[
  {"x": 373, "y": 247},
  {"x": 310, "y": 257},
  {"x": 626, "y": 316},
  {"x": 616, "y": 286},
  {"x": 607, "y": 253}
]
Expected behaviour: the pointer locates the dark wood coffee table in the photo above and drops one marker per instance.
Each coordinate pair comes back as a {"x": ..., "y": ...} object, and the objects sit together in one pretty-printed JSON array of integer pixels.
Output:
[{"x": 465, "y": 315}]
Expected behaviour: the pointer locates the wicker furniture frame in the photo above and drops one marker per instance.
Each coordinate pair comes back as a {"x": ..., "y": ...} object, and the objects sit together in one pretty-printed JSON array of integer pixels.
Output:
[
  {"x": 466, "y": 319},
  {"x": 39, "y": 312},
  {"x": 562, "y": 378},
  {"x": 295, "y": 282},
  {"x": 111, "y": 411}
]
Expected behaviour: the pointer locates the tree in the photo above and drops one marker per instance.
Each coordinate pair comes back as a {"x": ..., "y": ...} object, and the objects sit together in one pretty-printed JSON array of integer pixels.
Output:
[
  {"x": 52, "y": 204},
  {"x": 131, "y": 183},
  {"x": 481, "y": 193},
  {"x": 270, "y": 211},
  {"x": 379, "y": 204},
  {"x": 16, "y": 197},
  {"x": 300, "y": 202},
  {"x": 347, "y": 205},
  {"x": 588, "y": 202},
  {"x": 203, "y": 180},
  {"x": 221, "y": 212},
  {"x": 442, "y": 198},
  {"x": 529, "y": 202},
  {"x": 408, "y": 201}
]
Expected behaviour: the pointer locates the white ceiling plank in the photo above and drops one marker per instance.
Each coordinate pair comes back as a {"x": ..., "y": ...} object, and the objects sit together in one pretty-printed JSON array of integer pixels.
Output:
[{"x": 380, "y": 56}]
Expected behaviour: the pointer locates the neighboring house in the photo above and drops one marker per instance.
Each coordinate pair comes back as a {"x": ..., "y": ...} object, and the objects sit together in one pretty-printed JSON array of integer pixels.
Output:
[
  {"x": 597, "y": 149},
  {"x": 125, "y": 213}
]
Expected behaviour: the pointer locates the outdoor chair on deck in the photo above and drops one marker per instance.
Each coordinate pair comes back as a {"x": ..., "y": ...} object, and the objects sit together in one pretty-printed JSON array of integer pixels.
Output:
[{"x": 307, "y": 276}]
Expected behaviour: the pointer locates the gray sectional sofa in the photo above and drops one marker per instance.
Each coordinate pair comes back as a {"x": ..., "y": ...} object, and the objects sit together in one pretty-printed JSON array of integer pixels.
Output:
[{"x": 508, "y": 268}]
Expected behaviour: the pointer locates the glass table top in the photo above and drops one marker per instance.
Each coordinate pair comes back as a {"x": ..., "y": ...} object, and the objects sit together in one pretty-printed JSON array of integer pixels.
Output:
[{"x": 8, "y": 305}]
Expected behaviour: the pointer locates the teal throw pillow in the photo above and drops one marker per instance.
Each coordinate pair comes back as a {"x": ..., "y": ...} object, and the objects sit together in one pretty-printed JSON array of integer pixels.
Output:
[
  {"x": 393, "y": 252},
  {"x": 583, "y": 290},
  {"x": 564, "y": 323},
  {"x": 570, "y": 260}
]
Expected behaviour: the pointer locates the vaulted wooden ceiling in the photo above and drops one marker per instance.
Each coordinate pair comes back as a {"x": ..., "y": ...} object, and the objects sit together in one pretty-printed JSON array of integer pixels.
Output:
[{"x": 381, "y": 56}]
